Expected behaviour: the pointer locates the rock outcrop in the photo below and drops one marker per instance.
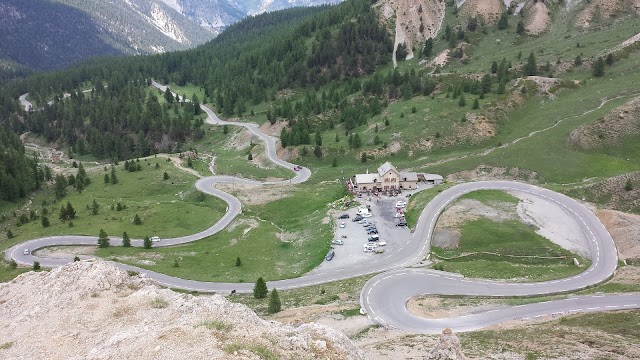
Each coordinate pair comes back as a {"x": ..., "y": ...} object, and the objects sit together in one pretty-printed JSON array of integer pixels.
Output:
[
  {"x": 91, "y": 309},
  {"x": 448, "y": 347}
]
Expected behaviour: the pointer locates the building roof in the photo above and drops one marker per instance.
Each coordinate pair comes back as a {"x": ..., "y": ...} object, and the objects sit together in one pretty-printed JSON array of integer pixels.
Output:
[
  {"x": 384, "y": 168},
  {"x": 366, "y": 178},
  {"x": 409, "y": 176},
  {"x": 428, "y": 177}
]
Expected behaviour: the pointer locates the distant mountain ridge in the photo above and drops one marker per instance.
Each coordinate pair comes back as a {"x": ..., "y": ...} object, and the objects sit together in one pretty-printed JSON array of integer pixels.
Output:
[
  {"x": 216, "y": 15},
  {"x": 52, "y": 34}
]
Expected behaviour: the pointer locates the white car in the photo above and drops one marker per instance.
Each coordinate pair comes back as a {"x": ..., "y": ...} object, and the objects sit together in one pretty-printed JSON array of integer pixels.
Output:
[
  {"x": 401, "y": 204},
  {"x": 155, "y": 238},
  {"x": 382, "y": 243},
  {"x": 343, "y": 225},
  {"x": 26, "y": 251},
  {"x": 367, "y": 215},
  {"x": 337, "y": 242},
  {"x": 398, "y": 215}
]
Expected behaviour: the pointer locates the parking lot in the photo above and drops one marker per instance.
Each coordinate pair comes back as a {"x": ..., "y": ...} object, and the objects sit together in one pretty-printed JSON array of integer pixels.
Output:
[{"x": 354, "y": 235}]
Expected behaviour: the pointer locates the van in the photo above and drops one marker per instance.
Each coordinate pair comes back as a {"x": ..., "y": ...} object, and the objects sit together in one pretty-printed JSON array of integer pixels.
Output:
[
  {"x": 373, "y": 238},
  {"x": 363, "y": 210},
  {"x": 155, "y": 238}
]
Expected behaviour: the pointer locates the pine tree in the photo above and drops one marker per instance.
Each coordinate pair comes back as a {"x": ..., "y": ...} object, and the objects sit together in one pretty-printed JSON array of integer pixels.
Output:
[
  {"x": 114, "y": 178},
  {"x": 503, "y": 23},
  {"x": 238, "y": 262},
  {"x": 126, "y": 242},
  {"x": 476, "y": 104},
  {"x": 577, "y": 61},
  {"x": 531, "y": 69},
  {"x": 137, "y": 220},
  {"x": 337, "y": 138},
  {"x": 260, "y": 290},
  {"x": 317, "y": 151},
  {"x": 363, "y": 157},
  {"x": 520, "y": 28},
  {"x": 147, "y": 243},
  {"x": 428, "y": 47},
  {"x": 168, "y": 96},
  {"x": 274, "y": 302},
  {"x": 598, "y": 68},
  {"x": 103, "y": 239},
  {"x": 45, "y": 221},
  {"x": 71, "y": 212},
  {"x": 494, "y": 67},
  {"x": 250, "y": 157},
  {"x": 462, "y": 101},
  {"x": 94, "y": 207},
  {"x": 386, "y": 121},
  {"x": 106, "y": 179},
  {"x": 318, "y": 138},
  {"x": 610, "y": 59},
  {"x": 9, "y": 234},
  {"x": 334, "y": 163},
  {"x": 357, "y": 142},
  {"x": 36, "y": 265},
  {"x": 165, "y": 176},
  {"x": 63, "y": 213},
  {"x": 225, "y": 129},
  {"x": 628, "y": 186}
]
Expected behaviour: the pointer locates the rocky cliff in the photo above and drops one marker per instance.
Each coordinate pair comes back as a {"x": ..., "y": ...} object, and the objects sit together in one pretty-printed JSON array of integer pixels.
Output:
[{"x": 94, "y": 310}]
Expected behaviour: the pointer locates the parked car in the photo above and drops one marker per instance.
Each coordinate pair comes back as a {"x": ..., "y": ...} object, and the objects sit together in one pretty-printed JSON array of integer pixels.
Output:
[
  {"x": 26, "y": 251},
  {"x": 357, "y": 218},
  {"x": 402, "y": 223},
  {"x": 369, "y": 247},
  {"x": 382, "y": 243},
  {"x": 363, "y": 221},
  {"x": 343, "y": 225},
  {"x": 378, "y": 250},
  {"x": 155, "y": 238},
  {"x": 367, "y": 215},
  {"x": 373, "y": 238},
  {"x": 398, "y": 215},
  {"x": 401, "y": 204},
  {"x": 337, "y": 242},
  {"x": 330, "y": 255},
  {"x": 372, "y": 232},
  {"x": 343, "y": 216}
]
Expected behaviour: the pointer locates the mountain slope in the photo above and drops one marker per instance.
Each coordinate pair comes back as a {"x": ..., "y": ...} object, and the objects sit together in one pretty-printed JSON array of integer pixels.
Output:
[
  {"x": 216, "y": 15},
  {"x": 45, "y": 34}
]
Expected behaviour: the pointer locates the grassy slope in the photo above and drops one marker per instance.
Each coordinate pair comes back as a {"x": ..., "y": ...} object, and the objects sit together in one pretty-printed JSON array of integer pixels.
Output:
[
  {"x": 144, "y": 193},
  {"x": 261, "y": 249}
]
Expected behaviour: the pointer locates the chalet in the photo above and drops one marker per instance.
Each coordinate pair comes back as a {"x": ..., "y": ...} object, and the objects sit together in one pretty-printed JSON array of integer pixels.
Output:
[{"x": 388, "y": 178}]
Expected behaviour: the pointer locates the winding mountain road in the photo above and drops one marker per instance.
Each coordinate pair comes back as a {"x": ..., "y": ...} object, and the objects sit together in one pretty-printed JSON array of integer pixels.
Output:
[{"x": 384, "y": 296}]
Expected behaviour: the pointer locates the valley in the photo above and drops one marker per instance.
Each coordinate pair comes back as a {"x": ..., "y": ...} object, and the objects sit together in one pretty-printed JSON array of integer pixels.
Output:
[{"x": 532, "y": 120}]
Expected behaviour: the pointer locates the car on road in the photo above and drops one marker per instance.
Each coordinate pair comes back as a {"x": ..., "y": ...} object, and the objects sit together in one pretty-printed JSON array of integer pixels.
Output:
[
  {"x": 343, "y": 225},
  {"x": 337, "y": 242},
  {"x": 330, "y": 255},
  {"x": 367, "y": 215},
  {"x": 26, "y": 252},
  {"x": 343, "y": 216},
  {"x": 402, "y": 223},
  {"x": 155, "y": 238}
]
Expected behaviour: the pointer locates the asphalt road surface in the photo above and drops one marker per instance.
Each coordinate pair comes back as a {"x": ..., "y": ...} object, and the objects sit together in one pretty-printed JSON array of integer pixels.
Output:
[{"x": 384, "y": 297}]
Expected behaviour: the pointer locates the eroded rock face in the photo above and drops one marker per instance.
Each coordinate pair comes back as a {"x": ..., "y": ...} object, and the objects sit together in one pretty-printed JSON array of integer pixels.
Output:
[
  {"x": 448, "y": 348},
  {"x": 91, "y": 309}
]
